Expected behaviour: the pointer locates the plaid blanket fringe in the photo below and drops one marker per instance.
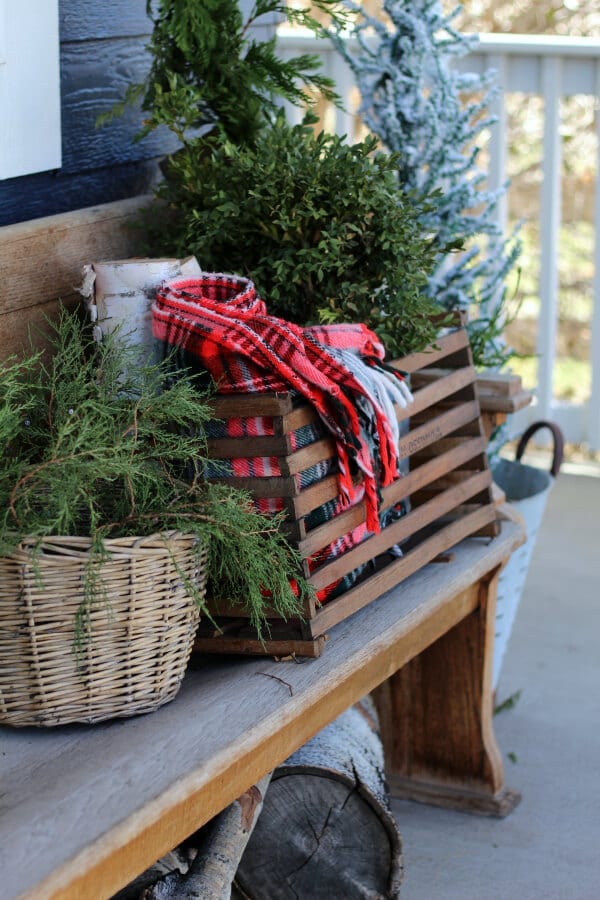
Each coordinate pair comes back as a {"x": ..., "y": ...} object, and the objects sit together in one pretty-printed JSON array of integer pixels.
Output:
[{"x": 220, "y": 326}]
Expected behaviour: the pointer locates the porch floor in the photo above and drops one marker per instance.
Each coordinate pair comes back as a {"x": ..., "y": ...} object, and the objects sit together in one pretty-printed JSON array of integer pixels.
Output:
[{"x": 548, "y": 848}]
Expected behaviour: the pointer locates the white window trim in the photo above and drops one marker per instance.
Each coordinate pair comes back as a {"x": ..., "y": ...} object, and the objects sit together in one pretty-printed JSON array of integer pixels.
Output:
[{"x": 30, "y": 132}]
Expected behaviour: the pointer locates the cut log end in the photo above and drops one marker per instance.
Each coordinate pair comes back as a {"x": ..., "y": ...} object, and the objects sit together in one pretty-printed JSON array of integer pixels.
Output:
[
  {"x": 319, "y": 838},
  {"x": 326, "y": 829}
]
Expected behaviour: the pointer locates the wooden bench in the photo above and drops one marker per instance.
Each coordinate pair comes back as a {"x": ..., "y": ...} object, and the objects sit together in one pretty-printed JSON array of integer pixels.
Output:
[{"x": 85, "y": 809}]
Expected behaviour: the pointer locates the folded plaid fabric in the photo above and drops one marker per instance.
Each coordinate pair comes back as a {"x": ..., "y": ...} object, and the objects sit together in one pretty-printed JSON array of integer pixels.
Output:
[{"x": 221, "y": 324}]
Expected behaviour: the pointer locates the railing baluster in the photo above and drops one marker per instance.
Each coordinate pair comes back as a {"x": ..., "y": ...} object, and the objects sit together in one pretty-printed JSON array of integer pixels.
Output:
[
  {"x": 549, "y": 232},
  {"x": 594, "y": 402},
  {"x": 344, "y": 118},
  {"x": 499, "y": 139}
]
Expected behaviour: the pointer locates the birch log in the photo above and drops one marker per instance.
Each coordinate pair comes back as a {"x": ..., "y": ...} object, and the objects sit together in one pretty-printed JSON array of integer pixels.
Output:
[
  {"x": 174, "y": 862},
  {"x": 119, "y": 293},
  {"x": 218, "y": 848},
  {"x": 326, "y": 830},
  {"x": 225, "y": 838}
]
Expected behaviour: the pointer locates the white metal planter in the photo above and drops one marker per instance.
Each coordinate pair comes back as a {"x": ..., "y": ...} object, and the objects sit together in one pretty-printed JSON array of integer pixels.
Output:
[{"x": 526, "y": 489}]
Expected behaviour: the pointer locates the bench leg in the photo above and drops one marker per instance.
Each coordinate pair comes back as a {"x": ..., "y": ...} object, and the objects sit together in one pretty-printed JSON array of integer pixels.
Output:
[{"x": 436, "y": 718}]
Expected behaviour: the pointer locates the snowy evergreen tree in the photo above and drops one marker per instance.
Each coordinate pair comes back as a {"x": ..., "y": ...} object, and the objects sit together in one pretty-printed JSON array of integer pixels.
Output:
[{"x": 419, "y": 104}]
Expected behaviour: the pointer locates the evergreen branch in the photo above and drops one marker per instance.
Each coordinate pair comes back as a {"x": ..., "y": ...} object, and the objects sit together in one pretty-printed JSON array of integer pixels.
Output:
[
  {"x": 210, "y": 75},
  {"x": 97, "y": 445}
]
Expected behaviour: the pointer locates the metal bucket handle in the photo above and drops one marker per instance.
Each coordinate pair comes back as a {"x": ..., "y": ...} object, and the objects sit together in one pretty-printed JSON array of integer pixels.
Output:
[{"x": 558, "y": 441}]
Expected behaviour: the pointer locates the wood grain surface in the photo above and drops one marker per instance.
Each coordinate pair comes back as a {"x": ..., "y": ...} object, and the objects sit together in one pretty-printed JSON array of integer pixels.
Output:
[
  {"x": 41, "y": 262},
  {"x": 119, "y": 18}
]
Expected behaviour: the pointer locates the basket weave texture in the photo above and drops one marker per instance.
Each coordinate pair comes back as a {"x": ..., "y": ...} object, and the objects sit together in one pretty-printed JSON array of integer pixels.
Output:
[{"x": 142, "y": 628}]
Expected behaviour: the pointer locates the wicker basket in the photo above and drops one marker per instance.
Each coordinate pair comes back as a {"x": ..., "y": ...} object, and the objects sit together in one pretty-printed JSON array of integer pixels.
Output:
[{"x": 141, "y": 630}]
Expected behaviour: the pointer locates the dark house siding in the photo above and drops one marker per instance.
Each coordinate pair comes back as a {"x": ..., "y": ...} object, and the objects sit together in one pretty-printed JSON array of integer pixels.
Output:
[{"x": 102, "y": 50}]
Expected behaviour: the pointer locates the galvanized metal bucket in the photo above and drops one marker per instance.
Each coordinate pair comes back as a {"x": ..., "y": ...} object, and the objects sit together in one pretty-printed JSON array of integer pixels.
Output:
[{"x": 526, "y": 488}]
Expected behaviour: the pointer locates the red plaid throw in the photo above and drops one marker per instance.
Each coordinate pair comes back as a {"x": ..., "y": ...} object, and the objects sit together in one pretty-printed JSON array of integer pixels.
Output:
[{"x": 224, "y": 325}]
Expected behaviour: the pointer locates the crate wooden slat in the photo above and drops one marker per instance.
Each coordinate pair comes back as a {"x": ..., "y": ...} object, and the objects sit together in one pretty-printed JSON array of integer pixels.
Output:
[
  {"x": 448, "y": 486},
  {"x": 500, "y": 393}
]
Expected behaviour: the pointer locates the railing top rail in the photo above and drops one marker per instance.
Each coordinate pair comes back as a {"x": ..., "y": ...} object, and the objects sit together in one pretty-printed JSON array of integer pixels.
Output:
[
  {"x": 509, "y": 44},
  {"x": 538, "y": 45}
]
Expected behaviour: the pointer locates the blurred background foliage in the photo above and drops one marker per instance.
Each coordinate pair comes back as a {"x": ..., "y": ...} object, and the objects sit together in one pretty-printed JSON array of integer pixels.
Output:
[{"x": 562, "y": 18}]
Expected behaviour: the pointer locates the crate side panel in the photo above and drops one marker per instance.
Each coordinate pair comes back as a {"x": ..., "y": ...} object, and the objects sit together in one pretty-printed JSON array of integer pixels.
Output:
[
  {"x": 442, "y": 387},
  {"x": 437, "y": 428},
  {"x": 454, "y": 345},
  {"x": 400, "y": 490},
  {"x": 401, "y": 529}
]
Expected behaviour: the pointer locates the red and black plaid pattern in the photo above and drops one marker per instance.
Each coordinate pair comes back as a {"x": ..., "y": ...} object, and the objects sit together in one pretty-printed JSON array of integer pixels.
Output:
[
  {"x": 221, "y": 322},
  {"x": 222, "y": 326},
  {"x": 265, "y": 466}
]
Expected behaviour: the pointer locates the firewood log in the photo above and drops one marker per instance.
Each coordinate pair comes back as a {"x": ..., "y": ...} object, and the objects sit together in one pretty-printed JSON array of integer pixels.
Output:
[
  {"x": 175, "y": 861},
  {"x": 326, "y": 830},
  {"x": 218, "y": 849},
  {"x": 224, "y": 841}
]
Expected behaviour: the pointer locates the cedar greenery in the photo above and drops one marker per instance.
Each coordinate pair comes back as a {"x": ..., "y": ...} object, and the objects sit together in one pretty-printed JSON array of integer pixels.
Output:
[
  {"x": 322, "y": 228},
  {"x": 209, "y": 71},
  {"x": 95, "y": 446}
]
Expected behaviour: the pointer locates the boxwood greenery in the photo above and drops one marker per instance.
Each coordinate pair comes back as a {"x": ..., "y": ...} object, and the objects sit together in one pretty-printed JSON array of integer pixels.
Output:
[
  {"x": 322, "y": 228},
  {"x": 325, "y": 229}
]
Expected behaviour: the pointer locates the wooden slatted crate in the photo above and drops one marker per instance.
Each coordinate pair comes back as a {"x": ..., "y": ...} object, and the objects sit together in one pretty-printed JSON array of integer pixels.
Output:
[{"x": 447, "y": 486}]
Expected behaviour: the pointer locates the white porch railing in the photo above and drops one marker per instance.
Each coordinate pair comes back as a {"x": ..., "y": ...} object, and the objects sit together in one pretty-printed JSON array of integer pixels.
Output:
[{"x": 552, "y": 68}]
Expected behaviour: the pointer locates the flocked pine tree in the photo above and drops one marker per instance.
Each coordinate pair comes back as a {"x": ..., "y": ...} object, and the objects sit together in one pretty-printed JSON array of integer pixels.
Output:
[{"x": 419, "y": 104}]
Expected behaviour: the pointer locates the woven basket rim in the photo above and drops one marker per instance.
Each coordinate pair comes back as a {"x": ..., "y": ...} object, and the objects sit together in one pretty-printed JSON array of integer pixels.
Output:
[{"x": 80, "y": 546}]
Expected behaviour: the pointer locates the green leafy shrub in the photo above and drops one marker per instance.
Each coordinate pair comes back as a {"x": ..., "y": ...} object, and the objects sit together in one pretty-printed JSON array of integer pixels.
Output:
[
  {"x": 95, "y": 446},
  {"x": 322, "y": 228}
]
